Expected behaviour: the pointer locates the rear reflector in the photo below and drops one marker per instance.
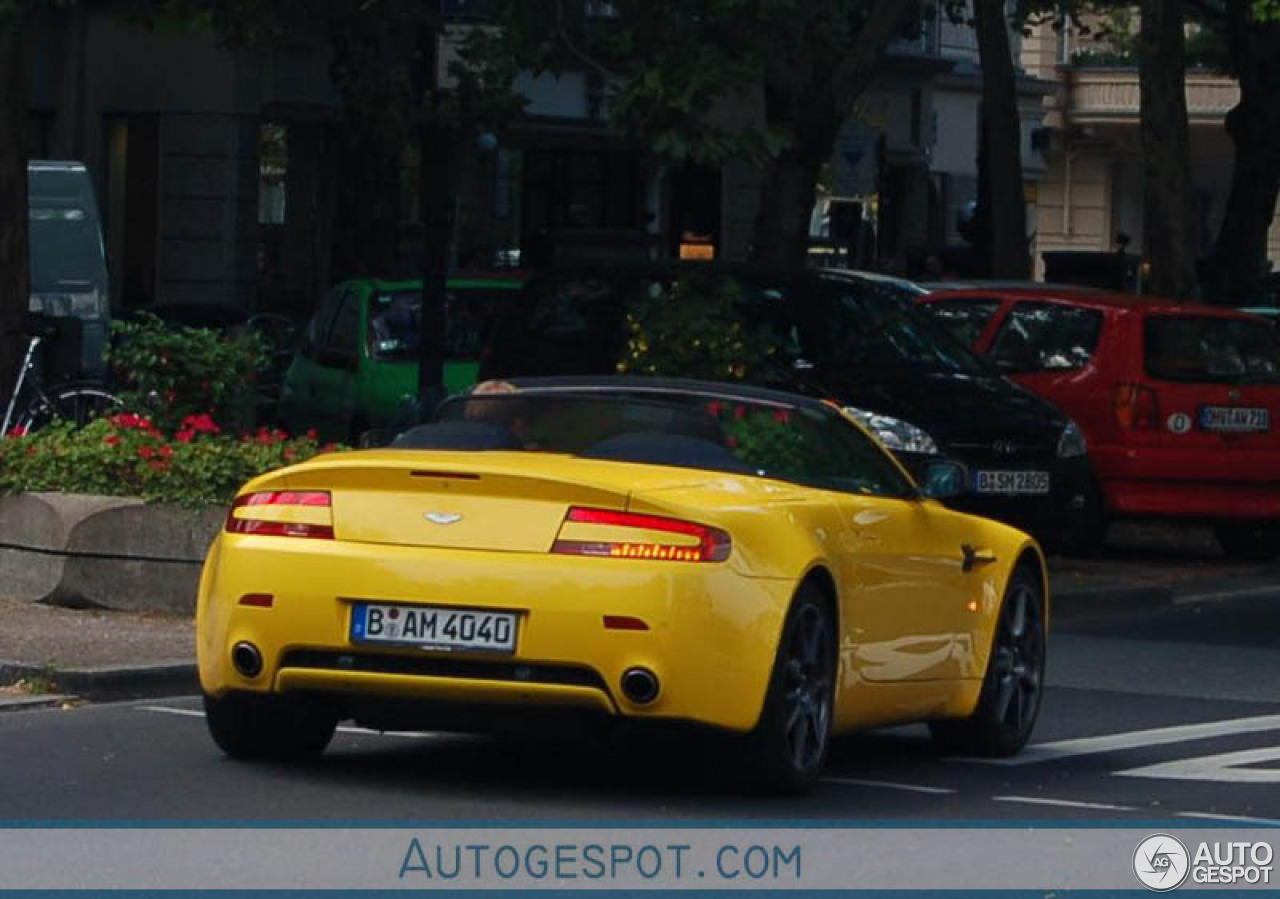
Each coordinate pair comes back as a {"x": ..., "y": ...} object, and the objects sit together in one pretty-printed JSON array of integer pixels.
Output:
[
  {"x": 268, "y": 514},
  {"x": 258, "y": 600},
  {"x": 624, "y": 623},
  {"x": 714, "y": 545}
]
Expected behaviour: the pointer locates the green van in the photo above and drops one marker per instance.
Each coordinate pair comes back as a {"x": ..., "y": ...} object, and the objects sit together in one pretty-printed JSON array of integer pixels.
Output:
[{"x": 357, "y": 363}]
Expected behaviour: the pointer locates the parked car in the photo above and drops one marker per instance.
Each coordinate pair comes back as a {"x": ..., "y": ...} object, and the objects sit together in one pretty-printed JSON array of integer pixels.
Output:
[
  {"x": 67, "y": 258},
  {"x": 621, "y": 548},
  {"x": 923, "y": 394},
  {"x": 356, "y": 366},
  {"x": 890, "y": 287},
  {"x": 1178, "y": 402}
]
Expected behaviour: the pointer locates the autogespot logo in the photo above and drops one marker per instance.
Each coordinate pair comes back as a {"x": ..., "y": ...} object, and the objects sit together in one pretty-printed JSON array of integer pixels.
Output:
[{"x": 1161, "y": 862}]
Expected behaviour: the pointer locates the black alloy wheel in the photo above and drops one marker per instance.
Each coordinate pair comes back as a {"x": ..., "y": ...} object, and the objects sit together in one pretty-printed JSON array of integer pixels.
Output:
[
  {"x": 1014, "y": 683},
  {"x": 789, "y": 746}
]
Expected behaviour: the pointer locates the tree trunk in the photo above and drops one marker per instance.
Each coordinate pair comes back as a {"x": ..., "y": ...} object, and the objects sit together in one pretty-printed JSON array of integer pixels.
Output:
[
  {"x": 786, "y": 203},
  {"x": 1006, "y": 211},
  {"x": 14, "y": 274},
  {"x": 1239, "y": 259},
  {"x": 371, "y": 67},
  {"x": 1167, "y": 218},
  {"x": 814, "y": 113}
]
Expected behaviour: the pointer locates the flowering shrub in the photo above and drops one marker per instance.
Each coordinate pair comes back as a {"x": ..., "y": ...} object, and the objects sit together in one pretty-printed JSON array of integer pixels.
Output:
[
  {"x": 128, "y": 455},
  {"x": 695, "y": 328},
  {"x": 174, "y": 372}
]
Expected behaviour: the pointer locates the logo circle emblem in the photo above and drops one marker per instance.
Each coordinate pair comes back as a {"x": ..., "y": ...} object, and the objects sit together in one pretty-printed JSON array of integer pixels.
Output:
[
  {"x": 1179, "y": 422},
  {"x": 1161, "y": 862}
]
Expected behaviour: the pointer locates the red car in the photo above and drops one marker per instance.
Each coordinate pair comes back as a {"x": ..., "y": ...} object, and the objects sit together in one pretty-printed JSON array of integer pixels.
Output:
[{"x": 1178, "y": 403}]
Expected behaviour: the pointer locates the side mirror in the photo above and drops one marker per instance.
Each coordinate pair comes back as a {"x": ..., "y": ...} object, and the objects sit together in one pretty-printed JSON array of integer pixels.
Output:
[{"x": 944, "y": 479}]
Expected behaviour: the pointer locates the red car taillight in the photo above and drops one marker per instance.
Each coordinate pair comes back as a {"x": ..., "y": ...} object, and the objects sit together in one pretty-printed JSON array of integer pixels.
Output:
[
  {"x": 1135, "y": 406},
  {"x": 261, "y": 513},
  {"x": 714, "y": 545}
]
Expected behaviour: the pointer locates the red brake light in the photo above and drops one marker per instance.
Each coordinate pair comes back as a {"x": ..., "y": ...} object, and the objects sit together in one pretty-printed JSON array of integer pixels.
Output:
[
  {"x": 714, "y": 545},
  {"x": 1136, "y": 406},
  {"x": 277, "y": 527}
]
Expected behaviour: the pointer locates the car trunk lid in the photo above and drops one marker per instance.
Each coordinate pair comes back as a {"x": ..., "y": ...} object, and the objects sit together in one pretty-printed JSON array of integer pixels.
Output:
[{"x": 493, "y": 501}]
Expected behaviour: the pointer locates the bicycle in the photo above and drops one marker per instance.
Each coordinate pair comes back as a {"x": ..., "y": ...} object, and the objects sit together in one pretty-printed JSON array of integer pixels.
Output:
[{"x": 76, "y": 401}]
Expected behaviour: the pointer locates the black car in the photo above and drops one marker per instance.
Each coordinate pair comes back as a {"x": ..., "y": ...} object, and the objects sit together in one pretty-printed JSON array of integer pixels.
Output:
[{"x": 920, "y": 391}]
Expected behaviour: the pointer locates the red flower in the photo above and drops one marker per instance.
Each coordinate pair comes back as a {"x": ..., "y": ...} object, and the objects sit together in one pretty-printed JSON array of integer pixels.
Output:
[
  {"x": 166, "y": 451},
  {"x": 201, "y": 424},
  {"x": 290, "y": 454},
  {"x": 714, "y": 409},
  {"x": 782, "y": 416},
  {"x": 311, "y": 434},
  {"x": 740, "y": 413},
  {"x": 112, "y": 440},
  {"x": 146, "y": 452},
  {"x": 17, "y": 431},
  {"x": 184, "y": 436},
  {"x": 159, "y": 466}
]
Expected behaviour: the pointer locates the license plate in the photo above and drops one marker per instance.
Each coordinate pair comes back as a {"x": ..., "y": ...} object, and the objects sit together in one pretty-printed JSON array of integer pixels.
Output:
[
  {"x": 1234, "y": 418},
  {"x": 1012, "y": 482},
  {"x": 433, "y": 627}
]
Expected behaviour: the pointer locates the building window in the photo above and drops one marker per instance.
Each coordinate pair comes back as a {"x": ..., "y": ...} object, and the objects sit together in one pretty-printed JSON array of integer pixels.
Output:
[{"x": 273, "y": 171}]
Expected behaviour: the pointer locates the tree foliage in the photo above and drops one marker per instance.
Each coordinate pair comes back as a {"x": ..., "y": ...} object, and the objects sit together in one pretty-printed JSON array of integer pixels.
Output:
[{"x": 771, "y": 81}]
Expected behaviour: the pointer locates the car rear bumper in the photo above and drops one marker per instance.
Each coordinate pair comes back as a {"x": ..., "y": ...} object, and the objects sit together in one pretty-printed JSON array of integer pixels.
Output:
[
  {"x": 1190, "y": 484},
  {"x": 711, "y": 640}
]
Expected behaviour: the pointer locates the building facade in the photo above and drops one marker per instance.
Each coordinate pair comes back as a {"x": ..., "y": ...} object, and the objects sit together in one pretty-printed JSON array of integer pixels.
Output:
[{"x": 1091, "y": 195}]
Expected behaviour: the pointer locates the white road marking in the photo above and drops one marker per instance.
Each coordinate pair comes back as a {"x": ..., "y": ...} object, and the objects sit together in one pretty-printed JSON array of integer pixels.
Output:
[
  {"x": 888, "y": 785},
  {"x": 1136, "y": 739},
  {"x": 1210, "y": 816},
  {"x": 358, "y": 731},
  {"x": 1065, "y": 803},
  {"x": 1270, "y": 590},
  {"x": 1224, "y": 767}
]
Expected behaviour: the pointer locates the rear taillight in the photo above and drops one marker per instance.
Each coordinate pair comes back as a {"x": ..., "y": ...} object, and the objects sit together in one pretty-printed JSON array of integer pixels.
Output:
[
  {"x": 626, "y": 535},
  {"x": 283, "y": 513},
  {"x": 1135, "y": 406}
]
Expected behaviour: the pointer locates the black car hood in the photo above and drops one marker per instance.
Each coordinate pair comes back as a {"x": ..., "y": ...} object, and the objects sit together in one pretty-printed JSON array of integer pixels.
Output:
[{"x": 952, "y": 407}]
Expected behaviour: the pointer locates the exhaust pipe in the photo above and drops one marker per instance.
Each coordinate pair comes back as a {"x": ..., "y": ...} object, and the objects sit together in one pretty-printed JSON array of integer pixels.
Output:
[
  {"x": 246, "y": 659},
  {"x": 640, "y": 685}
]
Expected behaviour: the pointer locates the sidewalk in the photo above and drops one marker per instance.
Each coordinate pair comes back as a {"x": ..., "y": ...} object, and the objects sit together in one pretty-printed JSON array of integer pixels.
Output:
[
  {"x": 52, "y": 654},
  {"x": 59, "y": 654}
]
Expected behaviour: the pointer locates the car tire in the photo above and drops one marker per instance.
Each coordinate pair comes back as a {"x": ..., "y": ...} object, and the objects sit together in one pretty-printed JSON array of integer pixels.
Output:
[
  {"x": 1253, "y": 541},
  {"x": 788, "y": 748},
  {"x": 251, "y": 726},
  {"x": 1014, "y": 682}
]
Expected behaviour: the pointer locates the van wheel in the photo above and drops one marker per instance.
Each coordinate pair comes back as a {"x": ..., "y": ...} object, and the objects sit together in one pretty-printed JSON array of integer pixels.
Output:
[
  {"x": 1014, "y": 682},
  {"x": 252, "y": 726},
  {"x": 788, "y": 749},
  {"x": 1254, "y": 541}
]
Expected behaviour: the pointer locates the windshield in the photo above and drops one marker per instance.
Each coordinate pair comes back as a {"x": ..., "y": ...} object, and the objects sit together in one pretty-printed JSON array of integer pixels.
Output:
[
  {"x": 1221, "y": 350},
  {"x": 395, "y": 319},
  {"x": 875, "y": 332},
  {"x": 66, "y": 249},
  {"x": 809, "y": 445}
]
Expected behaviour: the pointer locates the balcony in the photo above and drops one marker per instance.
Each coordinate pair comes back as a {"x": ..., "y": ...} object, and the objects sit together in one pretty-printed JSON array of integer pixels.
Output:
[{"x": 1111, "y": 96}]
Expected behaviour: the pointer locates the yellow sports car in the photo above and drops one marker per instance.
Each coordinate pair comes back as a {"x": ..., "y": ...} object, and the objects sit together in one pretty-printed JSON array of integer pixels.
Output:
[{"x": 672, "y": 550}]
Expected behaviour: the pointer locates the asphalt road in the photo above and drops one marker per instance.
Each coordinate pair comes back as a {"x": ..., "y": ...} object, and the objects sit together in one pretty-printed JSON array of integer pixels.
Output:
[{"x": 1154, "y": 715}]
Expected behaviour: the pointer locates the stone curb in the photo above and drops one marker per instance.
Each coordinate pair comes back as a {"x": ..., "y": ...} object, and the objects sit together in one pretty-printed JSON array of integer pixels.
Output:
[
  {"x": 38, "y": 701},
  {"x": 108, "y": 683}
]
